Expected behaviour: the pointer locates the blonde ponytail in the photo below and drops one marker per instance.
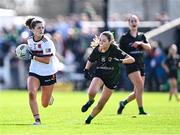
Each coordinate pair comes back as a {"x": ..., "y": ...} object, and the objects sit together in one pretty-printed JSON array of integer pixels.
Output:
[{"x": 95, "y": 42}]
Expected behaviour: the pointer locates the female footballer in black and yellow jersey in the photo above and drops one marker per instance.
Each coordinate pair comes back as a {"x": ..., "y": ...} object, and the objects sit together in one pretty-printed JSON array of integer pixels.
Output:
[
  {"x": 107, "y": 57},
  {"x": 171, "y": 65},
  {"x": 134, "y": 44}
]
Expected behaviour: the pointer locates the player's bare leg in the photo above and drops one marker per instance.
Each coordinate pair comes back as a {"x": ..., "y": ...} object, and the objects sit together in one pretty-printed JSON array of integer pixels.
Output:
[
  {"x": 46, "y": 96},
  {"x": 33, "y": 85},
  {"x": 174, "y": 88},
  {"x": 106, "y": 93},
  {"x": 138, "y": 83},
  {"x": 95, "y": 85}
]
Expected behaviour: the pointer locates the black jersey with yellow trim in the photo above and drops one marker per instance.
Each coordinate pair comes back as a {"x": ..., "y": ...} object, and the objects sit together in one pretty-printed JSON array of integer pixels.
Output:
[
  {"x": 126, "y": 42},
  {"x": 106, "y": 62},
  {"x": 172, "y": 62}
]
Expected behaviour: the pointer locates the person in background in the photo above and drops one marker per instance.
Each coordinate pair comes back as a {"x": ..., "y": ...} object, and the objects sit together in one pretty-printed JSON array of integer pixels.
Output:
[
  {"x": 134, "y": 44},
  {"x": 107, "y": 57},
  {"x": 171, "y": 65}
]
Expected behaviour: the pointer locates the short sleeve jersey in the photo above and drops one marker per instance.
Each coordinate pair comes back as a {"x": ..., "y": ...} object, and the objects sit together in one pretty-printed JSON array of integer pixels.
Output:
[
  {"x": 126, "y": 42},
  {"x": 42, "y": 48},
  {"x": 107, "y": 65}
]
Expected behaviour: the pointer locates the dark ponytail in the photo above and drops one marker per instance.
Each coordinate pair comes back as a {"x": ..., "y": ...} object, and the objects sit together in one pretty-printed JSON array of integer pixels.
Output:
[
  {"x": 28, "y": 22},
  {"x": 31, "y": 22}
]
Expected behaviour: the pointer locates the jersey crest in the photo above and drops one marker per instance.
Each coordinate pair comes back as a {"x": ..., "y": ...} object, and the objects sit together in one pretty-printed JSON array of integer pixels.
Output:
[
  {"x": 109, "y": 59},
  {"x": 103, "y": 59},
  {"x": 39, "y": 45}
]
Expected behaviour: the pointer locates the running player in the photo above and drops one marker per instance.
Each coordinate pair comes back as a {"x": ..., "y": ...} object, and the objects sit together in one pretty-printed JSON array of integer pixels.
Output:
[
  {"x": 134, "y": 43},
  {"x": 42, "y": 70},
  {"x": 107, "y": 57},
  {"x": 171, "y": 65}
]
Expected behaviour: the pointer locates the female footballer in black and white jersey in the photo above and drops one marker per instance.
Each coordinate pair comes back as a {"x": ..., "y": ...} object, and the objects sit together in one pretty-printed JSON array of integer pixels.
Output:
[
  {"x": 107, "y": 57},
  {"x": 171, "y": 65},
  {"x": 42, "y": 70},
  {"x": 134, "y": 43}
]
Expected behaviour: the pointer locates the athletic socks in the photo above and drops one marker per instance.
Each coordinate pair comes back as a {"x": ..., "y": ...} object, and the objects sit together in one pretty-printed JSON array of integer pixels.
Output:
[
  {"x": 86, "y": 106},
  {"x": 121, "y": 106},
  {"x": 125, "y": 102},
  {"x": 37, "y": 120},
  {"x": 141, "y": 111},
  {"x": 88, "y": 120}
]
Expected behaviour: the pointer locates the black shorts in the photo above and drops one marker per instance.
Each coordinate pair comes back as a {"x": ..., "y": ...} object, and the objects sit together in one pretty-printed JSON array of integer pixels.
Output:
[
  {"x": 173, "y": 74},
  {"x": 110, "y": 83},
  {"x": 130, "y": 68},
  {"x": 45, "y": 80}
]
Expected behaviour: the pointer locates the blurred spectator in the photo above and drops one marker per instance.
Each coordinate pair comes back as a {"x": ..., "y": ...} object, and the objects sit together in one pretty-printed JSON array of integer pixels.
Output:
[
  {"x": 162, "y": 17},
  {"x": 177, "y": 34},
  {"x": 59, "y": 43},
  {"x": 62, "y": 26},
  {"x": 155, "y": 75},
  {"x": 171, "y": 65},
  {"x": 89, "y": 10}
]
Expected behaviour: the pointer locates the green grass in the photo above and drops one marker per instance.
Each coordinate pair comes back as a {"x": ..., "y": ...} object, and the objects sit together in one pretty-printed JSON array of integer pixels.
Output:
[{"x": 65, "y": 117}]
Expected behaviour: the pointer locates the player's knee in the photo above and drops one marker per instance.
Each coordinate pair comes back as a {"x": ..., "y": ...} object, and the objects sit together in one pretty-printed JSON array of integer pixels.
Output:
[
  {"x": 92, "y": 94},
  {"x": 32, "y": 95},
  {"x": 44, "y": 104},
  {"x": 140, "y": 88}
]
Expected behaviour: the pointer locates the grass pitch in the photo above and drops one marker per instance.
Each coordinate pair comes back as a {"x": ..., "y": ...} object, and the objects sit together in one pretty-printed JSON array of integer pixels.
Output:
[{"x": 65, "y": 118}]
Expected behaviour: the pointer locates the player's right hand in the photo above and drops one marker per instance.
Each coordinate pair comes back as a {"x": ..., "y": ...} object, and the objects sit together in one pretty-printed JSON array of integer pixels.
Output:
[{"x": 87, "y": 74}]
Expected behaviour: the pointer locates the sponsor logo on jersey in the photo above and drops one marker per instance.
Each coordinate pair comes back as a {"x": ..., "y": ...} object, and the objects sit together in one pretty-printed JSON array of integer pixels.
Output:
[
  {"x": 48, "y": 50},
  {"x": 115, "y": 86}
]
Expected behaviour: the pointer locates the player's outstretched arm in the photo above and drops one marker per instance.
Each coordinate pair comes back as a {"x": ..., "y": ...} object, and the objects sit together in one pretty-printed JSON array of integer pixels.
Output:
[{"x": 128, "y": 60}]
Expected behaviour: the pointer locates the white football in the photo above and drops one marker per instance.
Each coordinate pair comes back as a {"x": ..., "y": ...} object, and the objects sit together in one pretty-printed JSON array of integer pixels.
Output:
[{"x": 22, "y": 51}]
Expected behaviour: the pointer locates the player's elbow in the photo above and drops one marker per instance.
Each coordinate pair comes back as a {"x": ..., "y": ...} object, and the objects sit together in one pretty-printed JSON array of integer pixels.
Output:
[
  {"x": 148, "y": 48},
  {"x": 45, "y": 105},
  {"x": 128, "y": 60},
  {"x": 131, "y": 60}
]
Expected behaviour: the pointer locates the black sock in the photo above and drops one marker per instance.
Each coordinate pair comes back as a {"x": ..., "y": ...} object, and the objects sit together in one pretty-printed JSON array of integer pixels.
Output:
[
  {"x": 88, "y": 120},
  {"x": 91, "y": 101},
  {"x": 125, "y": 102},
  {"x": 141, "y": 109}
]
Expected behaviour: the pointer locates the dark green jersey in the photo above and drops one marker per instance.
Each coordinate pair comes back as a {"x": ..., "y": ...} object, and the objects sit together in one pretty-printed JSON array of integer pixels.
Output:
[{"x": 107, "y": 64}]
